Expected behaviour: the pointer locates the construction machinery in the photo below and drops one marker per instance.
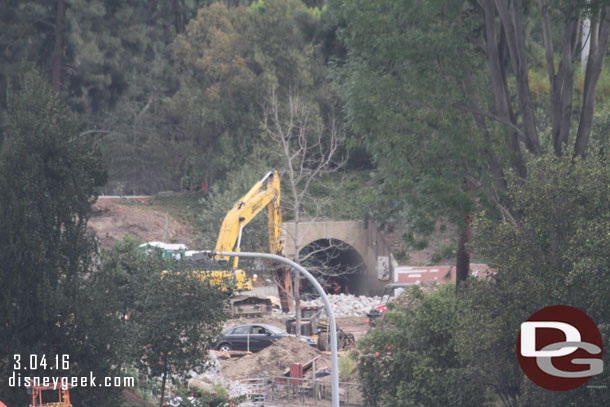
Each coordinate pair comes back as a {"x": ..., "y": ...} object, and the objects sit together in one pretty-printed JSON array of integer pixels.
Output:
[
  {"x": 314, "y": 323},
  {"x": 264, "y": 194},
  {"x": 179, "y": 251}
]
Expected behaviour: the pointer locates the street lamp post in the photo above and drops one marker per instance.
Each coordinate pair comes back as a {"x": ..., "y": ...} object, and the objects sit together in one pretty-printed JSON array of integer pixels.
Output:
[{"x": 334, "y": 365}]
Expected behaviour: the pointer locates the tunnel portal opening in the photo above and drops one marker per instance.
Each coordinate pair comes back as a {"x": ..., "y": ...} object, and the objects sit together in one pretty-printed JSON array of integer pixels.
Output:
[{"x": 336, "y": 265}]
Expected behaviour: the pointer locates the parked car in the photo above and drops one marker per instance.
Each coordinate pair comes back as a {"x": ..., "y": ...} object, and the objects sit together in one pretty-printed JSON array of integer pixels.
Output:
[{"x": 252, "y": 337}]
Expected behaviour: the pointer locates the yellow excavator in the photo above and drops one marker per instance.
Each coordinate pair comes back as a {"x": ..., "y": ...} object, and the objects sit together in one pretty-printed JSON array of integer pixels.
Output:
[{"x": 264, "y": 194}]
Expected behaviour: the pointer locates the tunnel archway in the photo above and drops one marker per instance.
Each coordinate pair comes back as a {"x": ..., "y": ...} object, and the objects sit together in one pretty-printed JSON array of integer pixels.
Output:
[{"x": 336, "y": 265}]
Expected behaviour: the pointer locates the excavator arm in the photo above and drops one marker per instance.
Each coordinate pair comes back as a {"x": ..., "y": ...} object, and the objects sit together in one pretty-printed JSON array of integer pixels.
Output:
[{"x": 265, "y": 193}]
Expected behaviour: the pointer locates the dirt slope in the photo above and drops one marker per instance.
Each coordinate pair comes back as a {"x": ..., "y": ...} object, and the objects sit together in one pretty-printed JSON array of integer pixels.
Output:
[{"x": 111, "y": 219}]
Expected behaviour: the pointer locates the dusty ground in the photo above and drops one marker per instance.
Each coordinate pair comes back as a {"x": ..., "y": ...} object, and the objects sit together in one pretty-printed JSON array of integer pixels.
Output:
[
  {"x": 273, "y": 360},
  {"x": 111, "y": 219},
  {"x": 357, "y": 326}
]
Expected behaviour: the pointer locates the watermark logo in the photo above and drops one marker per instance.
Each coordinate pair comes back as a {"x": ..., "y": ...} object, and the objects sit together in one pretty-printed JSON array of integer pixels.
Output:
[{"x": 560, "y": 348}]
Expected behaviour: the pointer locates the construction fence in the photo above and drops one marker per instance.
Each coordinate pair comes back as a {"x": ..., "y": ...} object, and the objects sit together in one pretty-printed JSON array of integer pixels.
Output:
[{"x": 280, "y": 391}]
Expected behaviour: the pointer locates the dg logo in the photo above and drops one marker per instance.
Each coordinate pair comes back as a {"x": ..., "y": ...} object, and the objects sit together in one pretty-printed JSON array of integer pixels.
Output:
[{"x": 560, "y": 348}]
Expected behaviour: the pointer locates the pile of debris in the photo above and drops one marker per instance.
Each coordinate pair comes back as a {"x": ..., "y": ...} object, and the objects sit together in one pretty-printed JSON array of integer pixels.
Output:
[
  {"x": 213, "y": 376},
  {"x": 274, "y": 360},
  {"x": 348, "y": 305}
]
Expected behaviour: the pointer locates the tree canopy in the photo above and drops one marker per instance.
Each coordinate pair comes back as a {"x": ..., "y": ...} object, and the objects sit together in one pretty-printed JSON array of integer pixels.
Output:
[
  {"x": 451, "y": 98},
  {"x": 492, "y": 115},
  {"x": 48, "y": 174}
]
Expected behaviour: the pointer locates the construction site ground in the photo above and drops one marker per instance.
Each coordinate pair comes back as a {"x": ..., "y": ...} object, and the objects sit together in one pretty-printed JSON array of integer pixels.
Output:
[
  {"x": 271, "y": 369},
  {"x": 167, "y": 219},
  {"x": 276, "y": 359},
  {"x": 272, "y": 364},
  {"x": 112, "y": 219}
]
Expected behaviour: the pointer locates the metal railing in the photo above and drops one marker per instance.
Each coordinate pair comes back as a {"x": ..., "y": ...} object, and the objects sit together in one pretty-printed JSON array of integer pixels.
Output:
[{"x": 282, "y": 391}]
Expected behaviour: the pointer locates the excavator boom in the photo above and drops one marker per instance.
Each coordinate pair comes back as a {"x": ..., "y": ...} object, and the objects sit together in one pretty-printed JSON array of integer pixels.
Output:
[{"x": 265, "y": 193}]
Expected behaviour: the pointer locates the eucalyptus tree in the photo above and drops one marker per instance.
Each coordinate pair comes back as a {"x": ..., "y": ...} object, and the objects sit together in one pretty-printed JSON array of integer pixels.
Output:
[{"x": 449, "y": 97}]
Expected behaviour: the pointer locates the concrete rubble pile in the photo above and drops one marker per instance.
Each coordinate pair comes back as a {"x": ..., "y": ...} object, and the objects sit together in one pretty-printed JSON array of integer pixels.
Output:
[
  {"x": 213, "y": 376},
  {"x": 348, "y": 305}
]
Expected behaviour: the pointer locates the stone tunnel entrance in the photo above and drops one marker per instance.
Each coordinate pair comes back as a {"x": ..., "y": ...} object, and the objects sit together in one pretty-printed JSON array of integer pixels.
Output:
[{"x": 336, "y": 265}]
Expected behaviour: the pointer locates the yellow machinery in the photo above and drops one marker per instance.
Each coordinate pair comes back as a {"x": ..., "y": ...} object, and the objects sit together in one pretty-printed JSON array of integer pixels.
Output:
[
  {"x": 259, "y": 197},
  {"x": 220, "y": 278},
  {"x": 314, "y": 323},
  {"x": 264, "y": 194}
]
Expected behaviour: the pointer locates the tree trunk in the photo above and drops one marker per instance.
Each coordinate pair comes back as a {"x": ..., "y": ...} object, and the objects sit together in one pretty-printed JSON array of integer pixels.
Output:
[
  {"x": 163, "y": 381},
  {"x": 178, "y": 17},
  {"x": 499, "y": 84},
  {"x": 600, "y": 34},
  {"x": 58, "y": 51},
  {"x": 463, "y": 255},
  {"x": 283, "y": 276},
  {"x": 513, "y": 30}
]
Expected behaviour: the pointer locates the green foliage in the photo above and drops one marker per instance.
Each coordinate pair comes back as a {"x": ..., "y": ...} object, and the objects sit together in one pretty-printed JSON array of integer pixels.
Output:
[
  {"x": 341, "y": 195},
  {"x": 218, "y": 397},
  {"x": 257, "y": 6},
  {"x": 165, "y": 320},
  {"x": 226, "y": 61},
  {"x": 48, "y": 175},
  {"x": 444, "y": 252},
  {"x": 347, "y": 364},
  {"x": 214, "y": 105},
  {"x": 412, "y": 359},
  {"x": 25, "y": 37},
  {"x": 555, "y": 253},
  {"x": 417, "y": 243},
  {"x": 139, "y": 147},
  {"x": 175, "y": 316},
  {"x": 559, "y": 237},
  {"x": 398, "y": 96}
]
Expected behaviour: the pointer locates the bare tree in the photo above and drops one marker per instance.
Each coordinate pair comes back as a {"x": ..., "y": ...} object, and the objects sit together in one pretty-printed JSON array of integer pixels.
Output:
[{"x": 308, "y": 148}]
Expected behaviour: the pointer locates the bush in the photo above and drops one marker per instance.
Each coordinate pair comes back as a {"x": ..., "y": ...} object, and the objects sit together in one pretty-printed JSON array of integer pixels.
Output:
[
  {"x": 555, "y": 252},
  {"x": 346, "y": 366},
  {"x": 218, "y": 397},
  {"x": 412, "y": 359}
]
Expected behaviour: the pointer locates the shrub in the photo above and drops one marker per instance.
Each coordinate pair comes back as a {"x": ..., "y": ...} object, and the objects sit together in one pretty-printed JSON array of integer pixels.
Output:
[{"x": 412, "y": 359}]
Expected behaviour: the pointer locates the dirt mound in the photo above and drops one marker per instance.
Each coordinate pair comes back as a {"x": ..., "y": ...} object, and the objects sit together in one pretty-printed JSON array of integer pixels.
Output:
[
  {"x": 273, "y": 360},
  {"x": 111, "y": 219}
]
